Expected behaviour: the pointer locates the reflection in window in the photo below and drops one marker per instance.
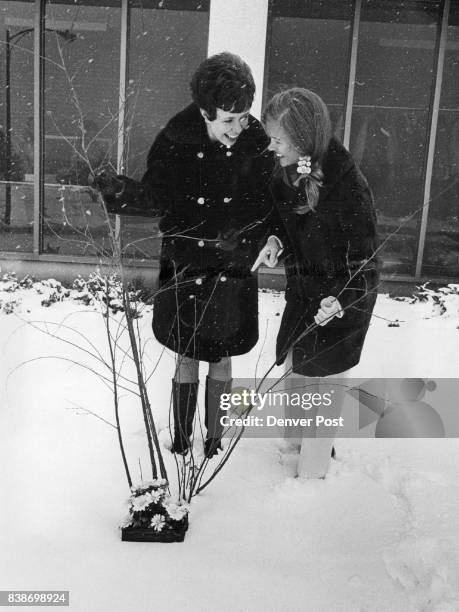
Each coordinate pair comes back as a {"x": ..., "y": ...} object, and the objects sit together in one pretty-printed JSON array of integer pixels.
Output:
[
  {"x": 16, "y": 126},
  {"x": 441, "y": 255},
  {"x": 168, "y": 40},
  {"x": 81, "y": 120},
  {"x": 389, "y": 136},
  {"x": 308, "y": 47}
]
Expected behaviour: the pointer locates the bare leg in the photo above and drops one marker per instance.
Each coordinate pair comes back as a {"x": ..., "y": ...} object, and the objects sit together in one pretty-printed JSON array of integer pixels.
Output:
[
  {"x": 221, "y": 370},
  {"x": 187, "y": 370},
  {"x": 315, "y": 454},
  {"x": 293, "y": 383}
]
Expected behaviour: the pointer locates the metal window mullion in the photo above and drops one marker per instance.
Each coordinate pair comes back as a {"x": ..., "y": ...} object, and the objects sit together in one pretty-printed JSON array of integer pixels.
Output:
[
  {"x": 441, "y": 49},
  {"x": 352, "y": 72},
  {"x": 38, "y": 98},
  {"x": 124, "y": 66}
]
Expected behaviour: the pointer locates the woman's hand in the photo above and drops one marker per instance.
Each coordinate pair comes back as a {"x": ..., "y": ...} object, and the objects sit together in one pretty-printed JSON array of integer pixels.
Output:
[
  {"x": 269, "y": 253},
  {"x": 329, "y": 308},
  {"x": 229, "y": 240},
  {"x": 107, "y": 182}
]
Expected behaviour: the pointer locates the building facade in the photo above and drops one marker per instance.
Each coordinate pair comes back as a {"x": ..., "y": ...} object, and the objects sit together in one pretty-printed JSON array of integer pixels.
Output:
[{"x": 89, "y": 83}]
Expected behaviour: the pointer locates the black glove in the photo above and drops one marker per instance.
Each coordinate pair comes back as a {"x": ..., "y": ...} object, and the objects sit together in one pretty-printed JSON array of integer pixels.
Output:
[
  {"x": 107, "y": 182},
  {"x": 228, "y": 240}
]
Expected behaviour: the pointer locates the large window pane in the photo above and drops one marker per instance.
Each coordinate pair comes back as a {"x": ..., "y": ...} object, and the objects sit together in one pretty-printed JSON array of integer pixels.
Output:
[
  {"x": 168, "y": 40},
  {"x": 16, "y": 126},
  {"x": 308, "y": 47},
  {"x": 441, "y": 256},
  {"x": 82, "y": 43},
  {"x": 389, "y": 135}
]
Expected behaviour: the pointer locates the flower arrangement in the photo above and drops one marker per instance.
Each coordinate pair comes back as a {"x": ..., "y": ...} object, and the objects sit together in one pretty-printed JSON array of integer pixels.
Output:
[{"x": 154, "y": 515}]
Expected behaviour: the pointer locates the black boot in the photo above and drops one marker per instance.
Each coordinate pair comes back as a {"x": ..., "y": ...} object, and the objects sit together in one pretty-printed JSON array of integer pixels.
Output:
[
  {"x": 214, "y": 390},
  {"x": 184, "y": 396},
  {"x": 333, "y": 452}
]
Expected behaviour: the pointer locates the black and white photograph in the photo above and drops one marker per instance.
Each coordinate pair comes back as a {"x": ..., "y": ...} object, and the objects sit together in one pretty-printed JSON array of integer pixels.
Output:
[{"x": 229, "y": 305}]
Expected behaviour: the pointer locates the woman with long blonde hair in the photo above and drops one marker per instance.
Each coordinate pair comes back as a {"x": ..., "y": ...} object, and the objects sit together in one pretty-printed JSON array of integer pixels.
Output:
[{"x": 324, "y": 222}]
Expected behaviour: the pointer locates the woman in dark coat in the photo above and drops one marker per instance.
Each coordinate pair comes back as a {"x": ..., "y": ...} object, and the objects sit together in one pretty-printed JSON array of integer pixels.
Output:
[
  {"x": 207, "y": 175},
  {"x": 325, "y": 222}
]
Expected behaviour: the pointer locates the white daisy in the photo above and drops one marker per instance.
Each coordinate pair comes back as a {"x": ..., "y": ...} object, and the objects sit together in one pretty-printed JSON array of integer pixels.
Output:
[
  {"x": 156, "y": 495},
  {"x": 176, "y": 511},
  {"x": 157, "y": 522},
  {"x": 126, "y": 522},
  {"x": 140, "y": 502}
]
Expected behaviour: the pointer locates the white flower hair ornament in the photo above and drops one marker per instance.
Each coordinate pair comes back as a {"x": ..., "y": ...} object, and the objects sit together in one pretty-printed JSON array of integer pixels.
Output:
[{"x": 304, "y": 164}]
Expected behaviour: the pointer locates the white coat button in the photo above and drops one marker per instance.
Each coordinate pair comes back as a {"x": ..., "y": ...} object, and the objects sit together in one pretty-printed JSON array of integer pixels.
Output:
[
  {"x": 190, "y": 297},
  {"x": 228, "y": 154},
  {"x": 201, "y": 243},
  {"x": 200, "y": 154},
  {"x": 201, "y": 200},
  {"x": 227, "y": 200},
  {"x": 198, "y": 281},
  {"x": 223, "y": 278}
]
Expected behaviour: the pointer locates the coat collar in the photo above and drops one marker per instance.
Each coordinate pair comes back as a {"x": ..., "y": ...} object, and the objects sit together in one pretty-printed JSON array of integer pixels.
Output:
[
  {"x": 337, "y": 162},
  {"x": 189, "y": 127}
]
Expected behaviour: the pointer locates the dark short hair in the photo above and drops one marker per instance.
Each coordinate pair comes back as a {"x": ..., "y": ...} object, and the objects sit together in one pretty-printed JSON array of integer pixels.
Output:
[{"x": 223, "y": 81}]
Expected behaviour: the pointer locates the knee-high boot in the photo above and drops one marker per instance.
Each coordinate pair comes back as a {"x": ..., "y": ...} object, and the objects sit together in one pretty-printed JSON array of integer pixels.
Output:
[
  {"x": 214, "y": 390},
  {"x": 184, "y": 396}
]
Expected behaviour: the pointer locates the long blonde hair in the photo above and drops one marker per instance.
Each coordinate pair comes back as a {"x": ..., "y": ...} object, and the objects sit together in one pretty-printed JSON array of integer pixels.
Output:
[{"x": 304, "y": 117}]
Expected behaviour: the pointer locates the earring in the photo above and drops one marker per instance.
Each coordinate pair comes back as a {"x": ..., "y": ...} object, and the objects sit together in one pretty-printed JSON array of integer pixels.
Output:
[{"x": 304, "y": 164}]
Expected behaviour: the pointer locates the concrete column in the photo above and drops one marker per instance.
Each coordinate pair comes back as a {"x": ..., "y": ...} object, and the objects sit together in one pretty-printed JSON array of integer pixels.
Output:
[{"x": 239, "y": 26}]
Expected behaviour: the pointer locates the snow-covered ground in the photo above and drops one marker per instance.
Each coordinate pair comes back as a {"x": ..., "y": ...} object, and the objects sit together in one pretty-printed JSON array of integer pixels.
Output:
[{"x": 381, "y": 533}]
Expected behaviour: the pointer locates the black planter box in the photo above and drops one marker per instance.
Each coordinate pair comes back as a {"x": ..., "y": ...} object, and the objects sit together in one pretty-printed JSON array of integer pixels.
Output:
[{"x": 148, "y": 534}]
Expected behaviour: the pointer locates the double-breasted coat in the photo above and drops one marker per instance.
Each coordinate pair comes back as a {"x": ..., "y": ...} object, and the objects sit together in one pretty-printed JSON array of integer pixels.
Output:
[
  {"x": 213, "y": 202},
  {"x": 328, "y": 252}
]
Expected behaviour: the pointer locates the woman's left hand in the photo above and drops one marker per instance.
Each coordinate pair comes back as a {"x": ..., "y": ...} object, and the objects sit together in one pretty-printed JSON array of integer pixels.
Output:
[
  {"x": 229, "y": 240},
  {"x": 329, "y": 308}
]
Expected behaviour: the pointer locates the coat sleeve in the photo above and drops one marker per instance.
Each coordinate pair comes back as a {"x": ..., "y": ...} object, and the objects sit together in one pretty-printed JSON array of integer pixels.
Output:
[
  {"x": 251, "y": 186},
  {"x": 274, "y": 225},
  {"x": 260, "y": 196},
  {"x": 359, "y": 268},
  {"x": 151, "y": 196}
]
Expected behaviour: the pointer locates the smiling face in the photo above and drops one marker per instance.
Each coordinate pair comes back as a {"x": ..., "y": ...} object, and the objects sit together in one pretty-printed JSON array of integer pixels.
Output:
[
  {"x": 226, "y": 127},
  {"x": 280, "y": 143}
]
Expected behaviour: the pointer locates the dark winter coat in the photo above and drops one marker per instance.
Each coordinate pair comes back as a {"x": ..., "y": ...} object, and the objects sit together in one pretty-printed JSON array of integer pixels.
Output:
[
  {"x": 213, "y": 204},
  {"x": 328, "y": 252}
]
